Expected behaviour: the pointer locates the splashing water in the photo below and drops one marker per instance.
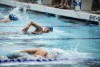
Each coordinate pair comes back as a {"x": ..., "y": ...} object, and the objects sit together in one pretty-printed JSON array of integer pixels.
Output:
[
  {"x": 1, "y": 16},
  {"x": 74, "y": 53},
  {"x": 24, "y": 10},
  {"x": 68, "y": 53},
  {"x": 15, "y": 11},
  {"x": 21, "y": 16},
  {"x": 76, "y": 47}
]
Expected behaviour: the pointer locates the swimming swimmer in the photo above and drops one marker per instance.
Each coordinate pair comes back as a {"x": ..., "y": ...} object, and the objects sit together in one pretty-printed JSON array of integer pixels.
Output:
[
  {"x": 38, "y": 29},
  {"x": 11, "y": 17},
  {"x": 35, "y": 52}
]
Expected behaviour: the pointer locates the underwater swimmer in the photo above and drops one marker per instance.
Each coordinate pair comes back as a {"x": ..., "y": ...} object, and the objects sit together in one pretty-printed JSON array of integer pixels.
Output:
[
  {"x": 35, "y": 52},
  {"x": 38, "y": 29}
]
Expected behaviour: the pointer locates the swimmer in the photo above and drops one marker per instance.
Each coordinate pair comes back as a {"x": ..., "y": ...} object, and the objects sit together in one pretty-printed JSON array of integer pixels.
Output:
[
  {"x": 35, "y": 52},
  {"x": 38, "y": 29},
  {"x": 11, "y": 17}
]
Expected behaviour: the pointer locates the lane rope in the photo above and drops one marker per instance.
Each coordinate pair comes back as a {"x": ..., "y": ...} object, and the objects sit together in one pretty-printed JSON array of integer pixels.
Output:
[
  {"x": 49, "y": 38},
  {"x": 42, "y": 26},
  {"x": 28, "y": 60},
  {"x": 47, "y": 60}
]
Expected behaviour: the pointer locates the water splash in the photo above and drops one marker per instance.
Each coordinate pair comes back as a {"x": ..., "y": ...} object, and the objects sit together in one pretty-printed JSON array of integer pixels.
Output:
[
  {"x": 19, "y": 14},
  {"x": 24, "y": 13},
  {"x": 68, "y": 53},
  {"x": 24, "y": 10},
  {"x": 15, "y": 11},
  {"x": 76, "y": 48},
  {"x": 1, "y": 16}
]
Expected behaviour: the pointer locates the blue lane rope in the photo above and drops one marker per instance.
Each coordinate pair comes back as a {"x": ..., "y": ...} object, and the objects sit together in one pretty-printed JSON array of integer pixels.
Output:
[
  {"x": 29, "y": 60},
  {"x": 47, "y": 60}
]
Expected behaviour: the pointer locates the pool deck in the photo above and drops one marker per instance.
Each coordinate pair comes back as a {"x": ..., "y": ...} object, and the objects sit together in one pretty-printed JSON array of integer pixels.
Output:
[{"x": 58, "y": 12}]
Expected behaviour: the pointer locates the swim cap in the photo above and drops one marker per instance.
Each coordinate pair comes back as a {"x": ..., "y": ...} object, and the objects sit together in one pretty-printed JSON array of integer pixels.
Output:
[
  {"x": 13, "y": 17},
  {"x": 51, "y": 28}
]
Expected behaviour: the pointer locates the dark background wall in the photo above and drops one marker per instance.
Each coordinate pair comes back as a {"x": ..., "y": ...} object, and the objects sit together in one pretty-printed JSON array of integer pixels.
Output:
[
  {"x": 96, "y": 5},
  {"x": 56, "y": 1}
]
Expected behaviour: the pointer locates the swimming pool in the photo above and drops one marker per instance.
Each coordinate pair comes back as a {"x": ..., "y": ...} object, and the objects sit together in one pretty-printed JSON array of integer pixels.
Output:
[{"x": 77, "y": 41}]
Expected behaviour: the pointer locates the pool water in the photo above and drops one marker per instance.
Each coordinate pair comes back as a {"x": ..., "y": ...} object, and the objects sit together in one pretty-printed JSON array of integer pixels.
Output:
[{"x": 75, "y": 40}]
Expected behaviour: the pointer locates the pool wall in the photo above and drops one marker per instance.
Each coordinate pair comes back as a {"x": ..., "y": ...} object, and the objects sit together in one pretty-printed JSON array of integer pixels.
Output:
[{"x": 58, "y": 12}]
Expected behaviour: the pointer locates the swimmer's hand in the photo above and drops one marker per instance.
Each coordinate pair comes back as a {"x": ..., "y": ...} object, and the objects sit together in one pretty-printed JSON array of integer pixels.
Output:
[{"x": 25, "y": 30}]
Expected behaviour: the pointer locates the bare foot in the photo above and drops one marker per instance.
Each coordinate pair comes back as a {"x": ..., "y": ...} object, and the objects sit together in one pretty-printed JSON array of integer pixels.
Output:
[
  {"x": 57, "y": 6},
  {"x": 63, "y": 7},
  {"x": 25, "y": 29}
]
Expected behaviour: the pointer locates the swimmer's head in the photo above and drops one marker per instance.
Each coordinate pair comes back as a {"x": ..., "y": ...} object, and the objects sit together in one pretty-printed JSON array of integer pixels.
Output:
[
  {"x": 48, "y": 29},
  {"x": 54, "y": 54},
  {"x": 13, "y": 17},
  {"x": 57, "y": 52}
]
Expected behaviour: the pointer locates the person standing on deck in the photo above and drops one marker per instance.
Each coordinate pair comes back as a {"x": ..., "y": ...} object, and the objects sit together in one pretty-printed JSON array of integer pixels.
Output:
[{"x": 63, "y": 4}]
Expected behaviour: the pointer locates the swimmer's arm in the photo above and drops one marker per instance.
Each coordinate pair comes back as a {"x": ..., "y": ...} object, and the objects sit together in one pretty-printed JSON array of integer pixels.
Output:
[
  {"x": 35, "y": 32},
  {"x": 36, "y": 25},
  {"x": 29, "y": 51},
  {"x": 5, "y": 20}
]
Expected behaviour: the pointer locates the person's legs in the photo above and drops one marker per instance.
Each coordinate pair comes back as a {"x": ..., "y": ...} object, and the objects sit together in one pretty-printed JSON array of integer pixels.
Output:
[
  {"x": 65, "y": 5},
  {"x": 61, "y": 4},
  {"x": 5, "y": 20}
]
